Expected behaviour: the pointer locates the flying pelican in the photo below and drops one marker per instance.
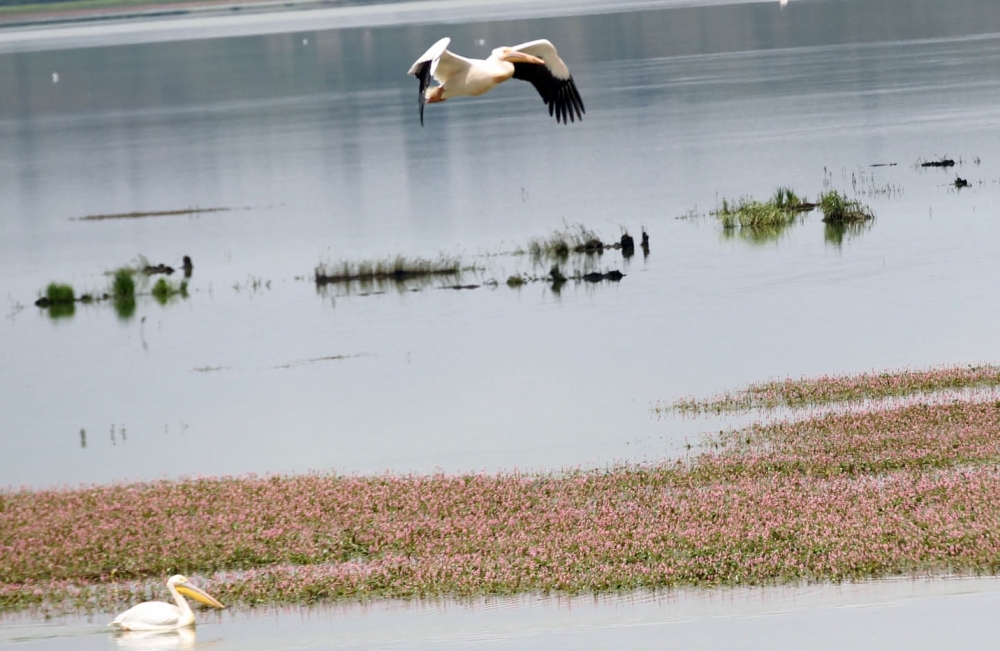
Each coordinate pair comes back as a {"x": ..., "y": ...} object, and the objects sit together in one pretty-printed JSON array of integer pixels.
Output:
[
  {"x": 160, "y": 616},
  {"x": 534, "y": 61}
]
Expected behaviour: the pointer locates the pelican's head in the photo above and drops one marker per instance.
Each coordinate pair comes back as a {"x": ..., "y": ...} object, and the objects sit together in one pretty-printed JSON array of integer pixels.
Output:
[
  {"x": 513, "y": 56},
  {"x": 183, "y": 585}
]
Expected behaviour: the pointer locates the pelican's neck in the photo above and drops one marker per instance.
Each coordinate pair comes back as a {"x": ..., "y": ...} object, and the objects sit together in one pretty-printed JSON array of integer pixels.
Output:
[
  {"x": 497, "y": 67},
  {"x": 187, "y": 615}
]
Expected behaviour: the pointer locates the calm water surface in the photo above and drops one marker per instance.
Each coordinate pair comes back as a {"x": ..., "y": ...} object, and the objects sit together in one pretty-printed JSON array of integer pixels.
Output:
[
  {"x": 911, "y": 615},
  {"x": 310, "y": 139},
  {"x": 304, "y": 127}
]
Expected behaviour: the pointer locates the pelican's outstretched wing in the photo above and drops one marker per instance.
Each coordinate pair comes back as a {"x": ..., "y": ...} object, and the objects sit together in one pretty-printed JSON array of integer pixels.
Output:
[
  {"x": 552, "y": 81},
  {"x": 423, "y": 67},
  {"x": 439, "y": 63}
]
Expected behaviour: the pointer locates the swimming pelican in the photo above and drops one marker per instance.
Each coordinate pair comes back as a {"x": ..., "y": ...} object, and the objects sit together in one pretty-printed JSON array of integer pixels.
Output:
[
  {"x": 160, "y": 616},
  {"x": 534, "y": 61}
]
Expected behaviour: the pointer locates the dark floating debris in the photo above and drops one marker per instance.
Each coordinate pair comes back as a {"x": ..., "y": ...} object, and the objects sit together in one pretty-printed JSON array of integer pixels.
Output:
[
  {"x": 593, "y": 245},
  {"x": 161, "y": 268},
  {"x": 944, "y": 162},
  {"x": 461, "y": 287},
  {"x": 596, "y": 277},
  {"x": 961, "y": 183},
  {"x": 557, "y": 278},
  {"x": 154, "y": 213},
  {"x": 627, "y": 245},
  {"x": 882, "y": 165}
]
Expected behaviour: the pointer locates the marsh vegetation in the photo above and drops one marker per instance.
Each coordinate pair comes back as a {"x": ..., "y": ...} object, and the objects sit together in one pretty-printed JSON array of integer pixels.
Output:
[
  {"x": 60, "y": 298},
  {"x": 397, "y": 269},
  {"x": 560, "y": 244},
  {"x": 575, "y": 245},
  {"x": 838, "y": 209},
  {"x": 164, "y": 290},
  {"x": 829, "y": 389},
  {"x": 780, "y": 502},
  {"x": 761, "y": 222}
]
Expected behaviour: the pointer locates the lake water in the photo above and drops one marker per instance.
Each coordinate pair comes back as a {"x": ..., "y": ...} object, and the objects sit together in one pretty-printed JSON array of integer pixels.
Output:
[
  {"x": 310, "y": 139},
  {"x": 303, "y": 125},
  {"x": 910, "y": 615}
]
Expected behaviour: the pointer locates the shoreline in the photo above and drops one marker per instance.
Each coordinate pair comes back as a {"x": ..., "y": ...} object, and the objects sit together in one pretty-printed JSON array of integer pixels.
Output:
[
  {"x": 44, "y": 17},
  {"x": 126, "y": 13}
]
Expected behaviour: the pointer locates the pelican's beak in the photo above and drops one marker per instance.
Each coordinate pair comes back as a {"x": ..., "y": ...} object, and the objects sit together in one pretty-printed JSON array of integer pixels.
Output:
[
  {"x": 520, "y": 57},
  {"x": 199, "y": 595}
]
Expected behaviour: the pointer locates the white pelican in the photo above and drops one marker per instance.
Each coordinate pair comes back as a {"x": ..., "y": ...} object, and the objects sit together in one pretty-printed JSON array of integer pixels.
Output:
[
  {"x": 160, "y": 616},
  {"x": 534, "y": 61}
]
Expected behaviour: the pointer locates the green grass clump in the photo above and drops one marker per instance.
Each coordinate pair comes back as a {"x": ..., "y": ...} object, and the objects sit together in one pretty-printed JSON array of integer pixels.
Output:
[
  {"x": 751, "y": 213},
  {"x": 559, "y": 244},
  {"x": 779, "y": 210},
  {"x": 760, "y": 222},
  {"x": 515, "y": 281},
  {"x": 60, "y": 299},
  {"x": 123, "y": 293},
  {"x": 837, "y": 208},
  {"x": 786, "y": 199},
  {"x": 123, "y": 286},
  {"x": 164, "y": 290},
  {"x": 60, "y": 294}
]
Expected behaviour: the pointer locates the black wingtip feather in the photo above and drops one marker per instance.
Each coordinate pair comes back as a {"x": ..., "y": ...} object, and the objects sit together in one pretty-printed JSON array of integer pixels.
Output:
[
  {"x": 423, "y": 75},
  {"x": 560, "y": 95}
]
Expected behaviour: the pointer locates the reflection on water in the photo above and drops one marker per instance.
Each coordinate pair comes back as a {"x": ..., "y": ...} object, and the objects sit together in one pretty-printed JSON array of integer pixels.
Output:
[
  {"x": 763, "y": 233},
  {"x": 893, "y": 615},
  {"x": 180, "y": 639},
  {"x": 835, "y": 232}
]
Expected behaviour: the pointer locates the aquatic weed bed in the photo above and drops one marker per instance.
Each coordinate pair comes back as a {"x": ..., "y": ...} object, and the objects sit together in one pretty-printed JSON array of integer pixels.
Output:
[
  {"x": 827, "y": 389},
  {"x": 907, "y": 490}
]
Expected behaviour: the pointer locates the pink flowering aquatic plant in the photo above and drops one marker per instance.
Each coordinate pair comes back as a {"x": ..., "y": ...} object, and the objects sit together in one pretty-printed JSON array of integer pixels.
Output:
[
  {"x": 827, "y": 389},
  {"x": 904, "y": 489}
]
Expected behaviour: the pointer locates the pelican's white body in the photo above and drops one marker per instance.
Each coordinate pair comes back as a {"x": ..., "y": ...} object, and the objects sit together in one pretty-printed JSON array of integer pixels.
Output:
[{"x": 161, "y": 616}]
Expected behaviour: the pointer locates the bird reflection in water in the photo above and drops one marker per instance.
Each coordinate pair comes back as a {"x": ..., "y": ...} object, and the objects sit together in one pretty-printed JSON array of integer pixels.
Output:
[{"x": 181, "y": 639}]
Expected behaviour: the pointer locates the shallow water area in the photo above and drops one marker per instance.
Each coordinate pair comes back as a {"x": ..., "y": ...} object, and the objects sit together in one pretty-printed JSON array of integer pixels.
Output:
[{"x": 896, "y": 614}]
